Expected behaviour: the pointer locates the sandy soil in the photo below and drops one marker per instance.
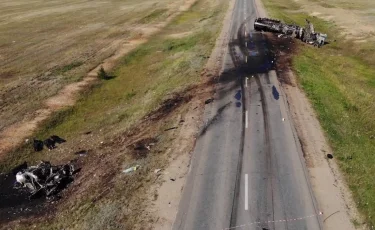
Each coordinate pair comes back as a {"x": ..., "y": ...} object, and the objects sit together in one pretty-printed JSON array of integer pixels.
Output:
[{"x": 164, "y": 208}]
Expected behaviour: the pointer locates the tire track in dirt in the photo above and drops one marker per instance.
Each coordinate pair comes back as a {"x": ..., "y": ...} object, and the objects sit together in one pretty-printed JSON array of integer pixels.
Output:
[{"x": 15, "y": 134}]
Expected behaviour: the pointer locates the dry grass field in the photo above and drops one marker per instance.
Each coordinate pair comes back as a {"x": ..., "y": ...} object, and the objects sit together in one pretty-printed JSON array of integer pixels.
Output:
[
  {"x": 354, "y": 18},
  {"x": 45, "y": 45}
]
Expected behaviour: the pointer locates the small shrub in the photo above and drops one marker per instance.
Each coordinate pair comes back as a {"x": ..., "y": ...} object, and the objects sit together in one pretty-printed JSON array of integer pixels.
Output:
[{"x": 102, "y": 74}]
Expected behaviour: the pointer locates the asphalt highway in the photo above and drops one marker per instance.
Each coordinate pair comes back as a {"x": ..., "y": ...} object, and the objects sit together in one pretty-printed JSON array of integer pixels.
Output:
[{"x": 247, "y": 169}]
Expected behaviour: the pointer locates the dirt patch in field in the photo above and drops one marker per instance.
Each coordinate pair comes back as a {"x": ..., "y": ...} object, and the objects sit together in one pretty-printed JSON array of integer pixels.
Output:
[
  {"x": 179, "y": 35},
  {"x": 141, "y": 148},
  {"x": 15, "y": 134},
  {"x": 168, "y": 106}
]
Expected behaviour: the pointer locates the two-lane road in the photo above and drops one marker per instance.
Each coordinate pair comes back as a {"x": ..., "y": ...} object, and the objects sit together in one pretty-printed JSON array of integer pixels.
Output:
[{"x": 247, "y": 169}]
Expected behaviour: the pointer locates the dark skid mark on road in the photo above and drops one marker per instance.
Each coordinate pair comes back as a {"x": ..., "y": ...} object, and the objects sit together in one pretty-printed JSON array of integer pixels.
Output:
[
  {"x": 267, "y": 149},
  {"x": 214, "y": 119},
  {"x": 261, "y": 58},
  {"x": 275, "y": 93},
  {"x": 259, "y": 52}
]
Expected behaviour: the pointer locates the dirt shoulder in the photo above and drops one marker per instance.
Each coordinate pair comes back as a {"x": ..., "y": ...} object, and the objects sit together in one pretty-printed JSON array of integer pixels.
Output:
[{"x": 164, "y": 209}]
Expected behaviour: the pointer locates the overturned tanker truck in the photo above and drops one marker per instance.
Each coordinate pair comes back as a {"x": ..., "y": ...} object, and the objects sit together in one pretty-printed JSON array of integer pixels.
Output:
[{"x": 306, "y": 34}]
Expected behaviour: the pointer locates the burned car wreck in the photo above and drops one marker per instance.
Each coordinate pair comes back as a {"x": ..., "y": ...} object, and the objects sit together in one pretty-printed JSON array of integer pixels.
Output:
[
  {"x": 44, "y": 179},
  {"x": 307, "y": 34}
]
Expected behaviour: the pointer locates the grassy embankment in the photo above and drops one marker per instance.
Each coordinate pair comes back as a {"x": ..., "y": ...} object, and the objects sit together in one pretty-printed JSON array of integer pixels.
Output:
[
  {"x": 339, "y": 80},
  {"x": 170, "y": 62}
]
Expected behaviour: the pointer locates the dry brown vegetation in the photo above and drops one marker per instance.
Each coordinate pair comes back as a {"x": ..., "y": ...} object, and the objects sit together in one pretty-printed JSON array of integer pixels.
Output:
[
  {"x": 45, "y": 45},
  {"x": 354, "y": 18}
]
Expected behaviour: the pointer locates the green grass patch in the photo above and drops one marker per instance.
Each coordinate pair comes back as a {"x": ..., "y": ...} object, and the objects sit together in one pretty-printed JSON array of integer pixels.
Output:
[{"x": 339, "y": 81}]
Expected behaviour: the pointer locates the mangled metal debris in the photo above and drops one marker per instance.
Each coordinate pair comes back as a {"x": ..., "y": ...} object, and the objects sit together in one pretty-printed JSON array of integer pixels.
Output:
[
  {"x": 44, "y": 179},
  {"x": 306, "y": 34}
]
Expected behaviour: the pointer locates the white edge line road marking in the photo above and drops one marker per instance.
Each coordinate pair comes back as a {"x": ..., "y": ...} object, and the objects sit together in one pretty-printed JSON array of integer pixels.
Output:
[
  {"x": 246, "y": 192},
  {"x": 246, "y": 82},
  {"x": 246, "y": 59},
  {"x": 246, "y": 118}
]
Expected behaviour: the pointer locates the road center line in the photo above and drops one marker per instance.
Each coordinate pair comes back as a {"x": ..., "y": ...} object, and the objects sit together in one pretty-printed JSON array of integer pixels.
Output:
[
  {"x": 246, "y": 192},
  {"x": 246, "y": 82},
  {"x": 246, "y": 119},
  {"x": 244, "y": 12}
]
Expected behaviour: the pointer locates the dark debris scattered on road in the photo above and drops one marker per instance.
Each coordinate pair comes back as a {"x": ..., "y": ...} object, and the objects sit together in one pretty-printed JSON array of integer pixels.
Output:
[{"x": 208, "y": 101}]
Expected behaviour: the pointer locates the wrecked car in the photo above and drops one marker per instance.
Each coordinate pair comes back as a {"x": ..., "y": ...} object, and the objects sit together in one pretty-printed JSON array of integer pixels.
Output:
[
  {"x": 306, "y": 34},
  {"x": 44, "y": 178}
]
